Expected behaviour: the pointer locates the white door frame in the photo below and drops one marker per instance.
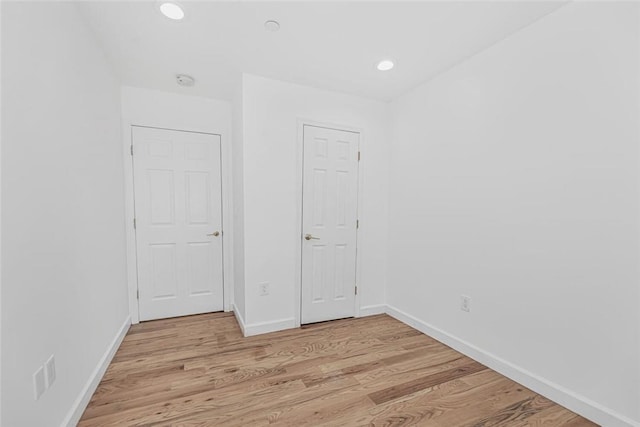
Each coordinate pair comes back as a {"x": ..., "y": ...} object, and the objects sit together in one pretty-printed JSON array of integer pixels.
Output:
[
  {"x": 297, "y": 293},
  {"x": 227, "y": 216}
]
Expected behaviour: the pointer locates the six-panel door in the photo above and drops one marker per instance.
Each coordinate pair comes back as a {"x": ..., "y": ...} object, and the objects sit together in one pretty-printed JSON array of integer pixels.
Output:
[
  {"x": 177, "y": 185},
  {"x": 329, "y": 220}
]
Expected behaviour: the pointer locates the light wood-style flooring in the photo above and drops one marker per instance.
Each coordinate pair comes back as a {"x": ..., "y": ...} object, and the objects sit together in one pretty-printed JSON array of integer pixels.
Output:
[{"x": 373, "y": 371}]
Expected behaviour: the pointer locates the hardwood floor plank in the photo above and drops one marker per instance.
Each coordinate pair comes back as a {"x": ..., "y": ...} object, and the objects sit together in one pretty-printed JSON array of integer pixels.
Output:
[
  {"x": 516, "y": 412},
  {"x": 373, "y": 371},
  {"x": 422, "y": 383},
  {"x": 454, "y": 405},
  {"x": 553, "y": 416}
]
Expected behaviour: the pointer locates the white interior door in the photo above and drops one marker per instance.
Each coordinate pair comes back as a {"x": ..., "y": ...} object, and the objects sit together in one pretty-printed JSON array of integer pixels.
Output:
[
  {"x": 178, "y": 222},
  {"x": 329, "y": 221}
]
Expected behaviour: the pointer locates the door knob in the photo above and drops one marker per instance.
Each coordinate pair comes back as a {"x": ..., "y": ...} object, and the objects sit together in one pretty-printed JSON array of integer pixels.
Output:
[
  {"x": 215, "y": 234},
  {"x": 309, "y": 237}
]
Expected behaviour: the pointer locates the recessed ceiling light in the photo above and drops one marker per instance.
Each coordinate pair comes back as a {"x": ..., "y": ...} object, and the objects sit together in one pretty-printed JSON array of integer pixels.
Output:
[
  {"x": 172, "y": 10},
  {"x": 385, "y": 65},
  {"x": 272, "y": 26}
]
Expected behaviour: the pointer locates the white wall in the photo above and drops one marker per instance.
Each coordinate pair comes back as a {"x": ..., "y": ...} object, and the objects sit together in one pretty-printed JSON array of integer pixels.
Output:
[
  {"x": 514, "y": 180},
  {"x": 148, "y": 107},
  {"x": 154, "y": 108},
  {"x": 238, "y": 202},
  {"x": 63, "y": 238},
  {"x": 271, "y": 110}
]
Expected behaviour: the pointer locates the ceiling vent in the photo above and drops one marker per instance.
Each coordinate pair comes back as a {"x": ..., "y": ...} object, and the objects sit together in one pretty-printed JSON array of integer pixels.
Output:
[{"x": 184, "y": 80}]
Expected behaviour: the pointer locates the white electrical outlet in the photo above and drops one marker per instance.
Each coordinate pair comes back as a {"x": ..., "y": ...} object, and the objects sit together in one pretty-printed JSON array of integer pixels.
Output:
[
  {"x": 264, "y": 288},
  {"x": 50, "y": 371},
  {"x": 465, "y": 303},
  {"x": 39, "y": 385}
]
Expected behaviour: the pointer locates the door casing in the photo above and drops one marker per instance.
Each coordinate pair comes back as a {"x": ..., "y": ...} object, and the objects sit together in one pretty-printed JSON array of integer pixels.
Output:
[
  {"x": 227, "y": 217},
  {"x": 297, "y": 294}
]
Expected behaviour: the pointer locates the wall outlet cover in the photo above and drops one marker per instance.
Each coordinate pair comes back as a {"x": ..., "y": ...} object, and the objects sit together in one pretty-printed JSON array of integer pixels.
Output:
[
  {"x": 50, "y": 371},
  {"x": 264, "y": 288},
  {"x": 39, "y": 385},
  {"x": 465, "y": 303}
]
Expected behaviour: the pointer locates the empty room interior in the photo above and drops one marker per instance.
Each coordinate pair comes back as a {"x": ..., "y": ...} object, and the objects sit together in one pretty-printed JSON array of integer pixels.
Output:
[{"x": 320, "y": 213}]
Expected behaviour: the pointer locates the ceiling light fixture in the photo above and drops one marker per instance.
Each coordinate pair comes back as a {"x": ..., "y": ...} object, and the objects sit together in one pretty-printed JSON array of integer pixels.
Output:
[
  {"x": 272, "y": 25},
  {"x": 385, "y": 65},
  {"x": 172, "y": 10}
]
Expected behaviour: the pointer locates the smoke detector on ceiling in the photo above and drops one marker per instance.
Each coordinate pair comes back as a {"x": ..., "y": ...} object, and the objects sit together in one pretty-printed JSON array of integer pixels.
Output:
[
  {"x": 272, "y": 25},
  {"x": 185, "y": 80}
]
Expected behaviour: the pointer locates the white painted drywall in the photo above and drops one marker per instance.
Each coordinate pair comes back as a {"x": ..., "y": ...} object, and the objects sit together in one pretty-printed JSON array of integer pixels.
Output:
[
  {"x": 514, "y": 180},
  {"x": 330, "y": 44},
  {"x": 271, "y": 110},
  {"x": 1, "y": 68},
  {"x": 238, "y": 202},
  {"x": 145, "y": 107},
  {"x": 63, "y": 238},
  {"x": 174, "y": 111}
]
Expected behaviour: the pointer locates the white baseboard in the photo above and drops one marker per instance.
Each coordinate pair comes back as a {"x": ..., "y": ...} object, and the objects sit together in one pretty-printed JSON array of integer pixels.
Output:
[
  {"x": 573, "y": 401},
  {"x": 372, "y": 310},
  {"x": 74, "y": 415},
  {"x": 251, "y": 329},
  {"x": 239, "y": 318},
  {"x": 289, "y": 323},
  {"x": 270, "y": 326}
]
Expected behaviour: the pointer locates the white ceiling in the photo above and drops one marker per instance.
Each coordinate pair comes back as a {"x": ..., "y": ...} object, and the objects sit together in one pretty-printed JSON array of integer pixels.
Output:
[{"x": 330, "y": 45}]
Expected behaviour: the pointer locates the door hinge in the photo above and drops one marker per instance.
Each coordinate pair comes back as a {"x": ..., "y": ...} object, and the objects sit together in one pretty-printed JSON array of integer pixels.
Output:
[
  {"x": 358, "y": 156},
  {"x": 134, "y": 223},
  {"x": 357, "y": 223},
  {"x": 137, "y": 293},
  {"x": 132, "y": 149},
  {"x": 356, "y": 289}
]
